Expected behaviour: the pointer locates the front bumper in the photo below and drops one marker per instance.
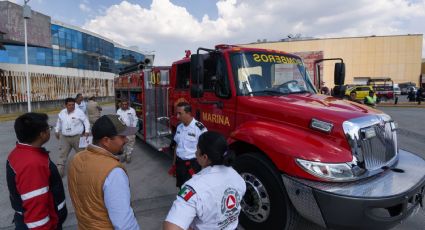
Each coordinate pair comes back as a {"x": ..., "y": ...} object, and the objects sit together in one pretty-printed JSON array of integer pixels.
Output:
[{"x": 379, "y": 202}]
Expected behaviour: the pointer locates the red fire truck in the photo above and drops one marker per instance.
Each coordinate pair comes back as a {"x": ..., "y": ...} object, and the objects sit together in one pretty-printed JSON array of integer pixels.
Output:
[{"x": 331, "y": 161}]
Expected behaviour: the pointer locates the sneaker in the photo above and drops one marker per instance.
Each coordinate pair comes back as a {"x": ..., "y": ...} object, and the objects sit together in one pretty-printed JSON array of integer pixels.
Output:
[{"x": 128, "y": 158}]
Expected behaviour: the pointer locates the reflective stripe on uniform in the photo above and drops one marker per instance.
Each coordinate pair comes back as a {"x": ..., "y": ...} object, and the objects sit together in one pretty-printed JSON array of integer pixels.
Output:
[
  {"x": 34, "y": 193},
  {"x": 38, "y": 223},
  {"x": 61, "y": 205}
]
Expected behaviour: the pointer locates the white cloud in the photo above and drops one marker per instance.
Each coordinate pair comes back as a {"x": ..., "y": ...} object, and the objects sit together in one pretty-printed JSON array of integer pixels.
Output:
[
  {"x": 84, "y": 8},
  {"x": 170, "y": 29}
]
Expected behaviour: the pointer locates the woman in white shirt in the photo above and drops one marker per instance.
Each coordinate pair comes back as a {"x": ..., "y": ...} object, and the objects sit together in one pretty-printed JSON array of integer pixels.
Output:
[{"x": 211, "y": 198}]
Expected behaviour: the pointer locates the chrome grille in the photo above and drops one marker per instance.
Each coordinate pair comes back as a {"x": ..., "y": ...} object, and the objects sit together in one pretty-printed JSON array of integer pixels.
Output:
[
  {"x": 378, "y": 150},
  {"x": 372, "y": 152}
]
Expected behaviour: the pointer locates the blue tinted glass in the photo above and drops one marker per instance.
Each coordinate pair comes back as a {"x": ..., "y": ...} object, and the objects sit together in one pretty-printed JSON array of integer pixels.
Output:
[
  {"x": 3, "y": 56},
  {"x": 55, "y": 41},
  {"x": 54, "y": 27},
  {"x": 61, "y": 34}
]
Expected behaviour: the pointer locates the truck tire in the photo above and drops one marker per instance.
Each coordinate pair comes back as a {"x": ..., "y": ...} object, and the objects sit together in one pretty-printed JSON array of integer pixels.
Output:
[{"x": 266, "y": 204}]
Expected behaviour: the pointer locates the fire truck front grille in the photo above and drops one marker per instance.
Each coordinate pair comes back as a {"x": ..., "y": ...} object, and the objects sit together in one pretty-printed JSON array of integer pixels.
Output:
[
  {"x": 373, "y": 141},
  {"x": 380, "y": 149}
]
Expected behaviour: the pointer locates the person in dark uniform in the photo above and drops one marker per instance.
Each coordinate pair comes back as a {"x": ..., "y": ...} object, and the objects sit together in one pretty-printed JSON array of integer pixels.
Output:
[
  {"x": 419, "y": 95},
  {"x": 411, "y": 95},
  {"x": 186, "y": 139}
]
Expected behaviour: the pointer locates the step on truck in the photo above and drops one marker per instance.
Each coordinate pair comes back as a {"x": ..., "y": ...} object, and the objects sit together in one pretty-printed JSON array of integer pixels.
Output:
[{"x": 301, "y": 154}]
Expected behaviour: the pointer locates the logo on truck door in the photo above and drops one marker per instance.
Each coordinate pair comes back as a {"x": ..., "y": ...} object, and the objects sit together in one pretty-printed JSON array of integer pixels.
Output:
[{"x": 216, "y": 118}]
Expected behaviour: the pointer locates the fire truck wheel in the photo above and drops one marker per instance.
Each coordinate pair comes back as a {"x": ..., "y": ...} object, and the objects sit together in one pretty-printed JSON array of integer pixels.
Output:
[{"x": 266, "y": 204}]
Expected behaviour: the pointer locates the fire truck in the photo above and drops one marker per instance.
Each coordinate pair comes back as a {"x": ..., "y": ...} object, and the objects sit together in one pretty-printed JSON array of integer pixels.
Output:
[{"x": 301, "y": 154}]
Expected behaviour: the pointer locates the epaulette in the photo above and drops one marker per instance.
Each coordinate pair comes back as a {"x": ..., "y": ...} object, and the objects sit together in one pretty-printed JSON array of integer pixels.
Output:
[{"x": 200, "y": 125}]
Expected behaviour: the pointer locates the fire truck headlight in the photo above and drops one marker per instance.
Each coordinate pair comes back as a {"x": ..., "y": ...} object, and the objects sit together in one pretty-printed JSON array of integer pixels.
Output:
[
  {"x": 328, "y": 171},
  {"x": 321, "y": 125}
]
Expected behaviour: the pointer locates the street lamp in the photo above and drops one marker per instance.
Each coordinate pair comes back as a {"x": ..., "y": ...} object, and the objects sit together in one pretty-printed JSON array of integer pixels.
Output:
[{"x": 27, "y": 15}]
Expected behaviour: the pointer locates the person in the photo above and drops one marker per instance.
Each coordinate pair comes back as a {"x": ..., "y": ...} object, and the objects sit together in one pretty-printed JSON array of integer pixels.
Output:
[
  {"x": 419, "y": 95},
  {"x": 411, "y": 95},
  {"x": 370, "y": 100},
  {"x": 93, "y": 110},
  {"x": 35, "y": 186},
  {"x": 70, "y": 125},
  {"x": 324, "y": 89},
  {"x": 98, "y": 183},
  {"x": 80, "y": 103},
  {"x": 353, "y": 97},
  {"x": 186, "y": 139},
  {"x": 128, "y": 115},
  {"x": 211, "y": 199}
]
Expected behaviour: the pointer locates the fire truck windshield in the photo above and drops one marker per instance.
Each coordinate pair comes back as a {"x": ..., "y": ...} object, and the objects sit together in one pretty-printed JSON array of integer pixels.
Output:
[{"x": 261, "y": 73}]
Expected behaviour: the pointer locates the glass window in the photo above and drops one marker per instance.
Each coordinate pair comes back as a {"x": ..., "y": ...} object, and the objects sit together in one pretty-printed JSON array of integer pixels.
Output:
[
  {"x": 183, "y": 73},
  {"x": 260, "y": 73},
  {"x": 210, "y": 68},
  {"x": 61, "y": 34}
]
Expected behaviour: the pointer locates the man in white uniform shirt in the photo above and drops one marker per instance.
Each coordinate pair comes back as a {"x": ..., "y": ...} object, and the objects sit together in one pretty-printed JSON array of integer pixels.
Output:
[
  {"x": 186, "y": 139},
  {"x": 128, "y": 115},
  {"x": 80, "y": 103},
  {"x": 71, "y": 124}
]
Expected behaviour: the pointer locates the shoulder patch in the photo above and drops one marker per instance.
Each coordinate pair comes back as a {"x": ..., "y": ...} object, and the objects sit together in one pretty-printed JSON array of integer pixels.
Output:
[
  {"x": 200, "y": 125},
  {"x": 186, "y": 192}
]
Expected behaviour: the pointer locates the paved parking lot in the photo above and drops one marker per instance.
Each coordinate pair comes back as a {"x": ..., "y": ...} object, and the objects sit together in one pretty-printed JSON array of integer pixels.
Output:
[{"x": 153, "y": 190}]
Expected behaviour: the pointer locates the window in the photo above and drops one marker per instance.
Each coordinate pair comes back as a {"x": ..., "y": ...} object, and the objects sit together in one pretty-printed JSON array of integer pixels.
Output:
[
  {"x": 210, "y": 72},
  {"x": 183, "y": 73}
]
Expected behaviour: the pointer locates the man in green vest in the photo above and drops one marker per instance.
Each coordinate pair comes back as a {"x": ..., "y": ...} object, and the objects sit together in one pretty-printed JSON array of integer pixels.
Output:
[{"x": 370, "y": 100}]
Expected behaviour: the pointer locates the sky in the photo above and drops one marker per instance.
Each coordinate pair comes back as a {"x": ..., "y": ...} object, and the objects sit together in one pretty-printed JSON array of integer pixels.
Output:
[{"x": 169, "y": 27}]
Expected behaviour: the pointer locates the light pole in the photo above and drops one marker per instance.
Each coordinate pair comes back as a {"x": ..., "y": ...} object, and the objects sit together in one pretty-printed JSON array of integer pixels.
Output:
[{"x": 27, "y": 15}]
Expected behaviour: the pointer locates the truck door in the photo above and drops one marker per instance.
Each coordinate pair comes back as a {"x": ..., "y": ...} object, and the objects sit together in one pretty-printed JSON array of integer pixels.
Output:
[{"x": 216, "y": 108}]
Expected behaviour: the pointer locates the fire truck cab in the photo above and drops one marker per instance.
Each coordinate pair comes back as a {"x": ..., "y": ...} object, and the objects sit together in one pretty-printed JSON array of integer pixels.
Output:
[{"x": 331, "y": 161}]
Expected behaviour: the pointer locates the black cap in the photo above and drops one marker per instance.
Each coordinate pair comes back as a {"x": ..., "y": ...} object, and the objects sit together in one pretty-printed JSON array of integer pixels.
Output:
[{"x": 109, "y": 126}]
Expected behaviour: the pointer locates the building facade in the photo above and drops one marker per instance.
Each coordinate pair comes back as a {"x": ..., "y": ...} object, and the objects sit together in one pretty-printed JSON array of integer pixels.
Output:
[
  {"x": 63, "y": 59},
  {"x": 397, "y": 57}
]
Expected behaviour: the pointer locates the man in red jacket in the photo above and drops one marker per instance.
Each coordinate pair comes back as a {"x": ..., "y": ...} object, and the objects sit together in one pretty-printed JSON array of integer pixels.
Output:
[{"x": 35, "y": 186}]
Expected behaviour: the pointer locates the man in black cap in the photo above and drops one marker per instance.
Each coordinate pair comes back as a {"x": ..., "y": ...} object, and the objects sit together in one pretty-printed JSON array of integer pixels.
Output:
[{"x": 98, "y": 182}]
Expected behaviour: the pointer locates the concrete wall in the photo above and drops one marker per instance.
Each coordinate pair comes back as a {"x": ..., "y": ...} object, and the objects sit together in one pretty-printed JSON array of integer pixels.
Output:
[
  {"x": 12, "y": 23},
  {"x": 397, "y": 57}
]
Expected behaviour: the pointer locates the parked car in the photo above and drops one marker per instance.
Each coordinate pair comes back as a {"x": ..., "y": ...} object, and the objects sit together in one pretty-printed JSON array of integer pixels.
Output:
[
  {"x": 404, "y": 87},
  {"x": 361, "y": 91}
]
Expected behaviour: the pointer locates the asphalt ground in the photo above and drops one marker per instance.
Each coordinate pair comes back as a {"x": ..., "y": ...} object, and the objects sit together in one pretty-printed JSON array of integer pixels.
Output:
[{"x": 153, "y": 191}]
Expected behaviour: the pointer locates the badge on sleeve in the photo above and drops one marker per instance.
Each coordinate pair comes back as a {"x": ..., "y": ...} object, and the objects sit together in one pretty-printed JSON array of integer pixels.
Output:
[{"x": 186, "y": 192}]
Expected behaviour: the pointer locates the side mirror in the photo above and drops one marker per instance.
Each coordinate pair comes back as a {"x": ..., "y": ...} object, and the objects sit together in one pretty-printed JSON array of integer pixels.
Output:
[
  {"x": 339, "y": 91},
  {"x": 339, "y": 74},
  {"x": 197, "y": 68},
  {"x": 196, "y": 91}
]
